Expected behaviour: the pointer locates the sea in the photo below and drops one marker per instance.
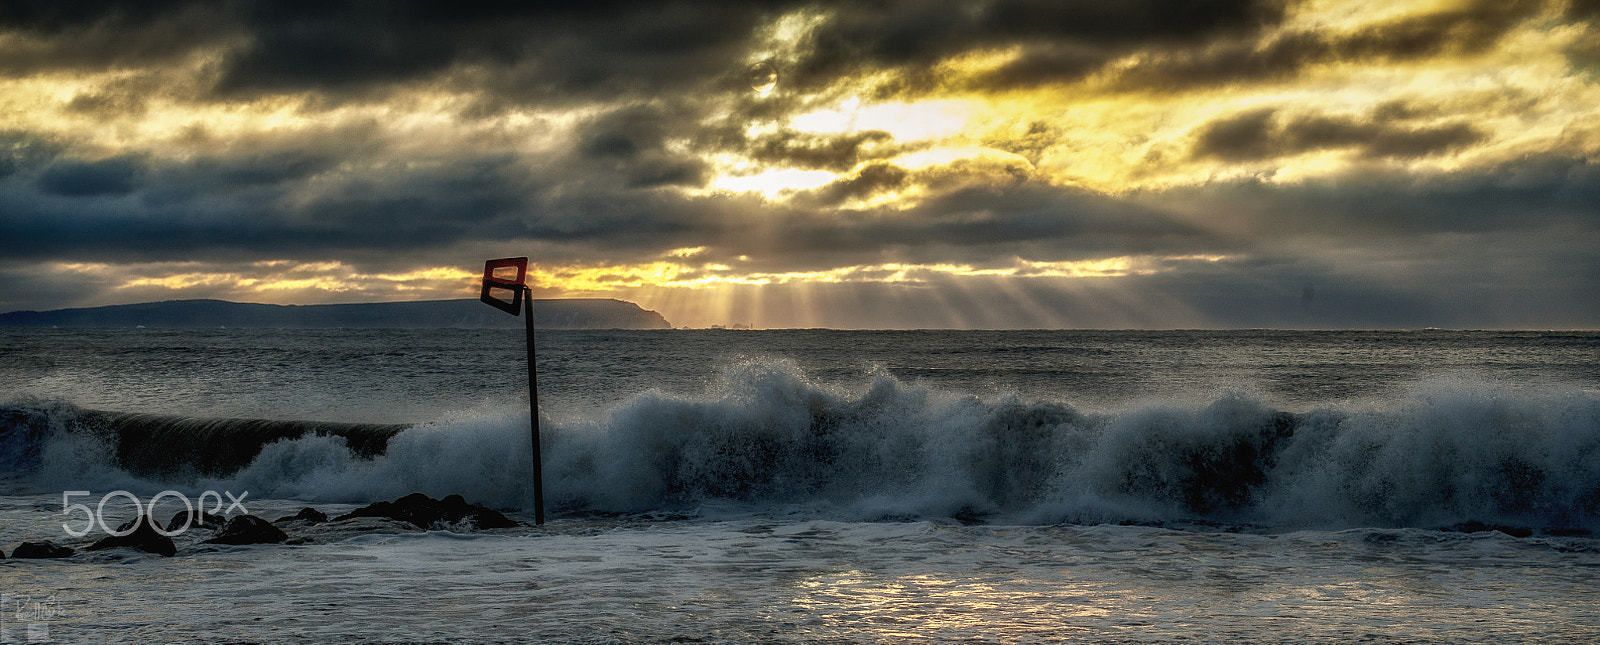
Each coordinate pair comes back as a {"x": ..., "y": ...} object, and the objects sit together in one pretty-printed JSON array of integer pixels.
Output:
[{"x": 812, "y": 486}]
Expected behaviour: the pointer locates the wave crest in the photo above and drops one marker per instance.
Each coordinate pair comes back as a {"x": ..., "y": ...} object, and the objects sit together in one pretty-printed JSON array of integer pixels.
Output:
[{"x": 766, "y": 435}]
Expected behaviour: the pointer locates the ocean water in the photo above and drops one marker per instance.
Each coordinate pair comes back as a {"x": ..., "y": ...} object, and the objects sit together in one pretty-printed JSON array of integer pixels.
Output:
[{"x": 818, "y": 486}]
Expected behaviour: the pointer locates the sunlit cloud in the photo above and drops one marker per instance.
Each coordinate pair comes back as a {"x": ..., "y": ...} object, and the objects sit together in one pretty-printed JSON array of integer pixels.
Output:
[
  {"x": 936, "y": 119},
  {"x": 774, "y": 183},
  {"x": 270, "y": 281},
  {"x": 192, "y": 151},
  {"x": 677, "y": 274}
]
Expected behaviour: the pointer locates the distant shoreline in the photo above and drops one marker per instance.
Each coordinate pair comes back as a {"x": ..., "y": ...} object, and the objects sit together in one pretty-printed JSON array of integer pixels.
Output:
[{"x": 556, "y": 313}]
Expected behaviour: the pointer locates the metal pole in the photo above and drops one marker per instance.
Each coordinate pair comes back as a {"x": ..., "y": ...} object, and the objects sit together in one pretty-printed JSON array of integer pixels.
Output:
[{"x": 533, "y": 410}]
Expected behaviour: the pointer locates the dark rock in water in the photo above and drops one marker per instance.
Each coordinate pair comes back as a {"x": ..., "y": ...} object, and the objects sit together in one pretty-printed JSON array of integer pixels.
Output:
[
  {"x": 39, "y": 550},
  {"x": 424, "y": 512},
  {"x": 202, "y": 520},
  {"x": 968, "y": 516},
  {"x": 144, "y": 538},
  {"x": 1474, "y": 526},
  {"x": 248, "y": 529},
  {"x": 306, "y": 514}
]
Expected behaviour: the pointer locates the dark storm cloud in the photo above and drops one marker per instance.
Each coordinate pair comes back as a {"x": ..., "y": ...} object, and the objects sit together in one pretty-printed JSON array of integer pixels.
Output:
[
  {"x": 87, "y": 34},
  {"x": 837, "y": 153},
  {"x": 870, "y": 180},
  {"x": 546, "y": 51},
  {"x": 130, "y": 209},
  {"x": 341, "y": 190},
  {"x": 927, "y": 31},
  {"x": 566, "y": 50},
  {"x": 561, "y": 51},
  {"x": 1553, "y": 197},
  {"x": 106, "y": 103},
  {"x": 664, "y": 82},
  {"x": 550, "y": 51},
  {"x": 114, "y": 176},
  {"x": 1265, "y": 133},
  {"x": 1064, "y": 40},
  {"x": 262, "y": 169},
  {"x": 22, "y": 151},
  {"x": 554, "y": 52},
  {"x": 630, "y": 144},
  {"x": 54, "y": 16},
  {"x": 1585, "y": 52},
  {"x": 1248, "y": 135},
  {"x": 1471, "y": 29}
]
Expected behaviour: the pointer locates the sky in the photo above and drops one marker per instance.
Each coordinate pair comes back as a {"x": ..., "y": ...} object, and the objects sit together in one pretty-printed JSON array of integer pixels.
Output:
[{"x": 889, "y": 163}]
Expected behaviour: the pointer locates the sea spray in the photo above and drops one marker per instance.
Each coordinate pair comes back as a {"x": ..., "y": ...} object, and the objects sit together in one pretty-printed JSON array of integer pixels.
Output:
[{"x": 764, "y": 435}]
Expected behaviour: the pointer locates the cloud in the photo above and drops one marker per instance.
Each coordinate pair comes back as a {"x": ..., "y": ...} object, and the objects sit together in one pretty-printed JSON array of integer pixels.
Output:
[
  {"x": 1470, "y": 29},
  {"x": 870, "y": 180},
  {"x": 549, "y": 51},
  {"x": 138, "y": 209},
  {"x": 1264, "y": 133},
  {"x": 631, "y": 144},
  {"x": 88, "y": 34},
  {"x": 1405, "y": 160},
  {"x": 1062, "y": 40},
  {"x": 827, "y": 152},
  {"x": 21, "y": 151},
  {"x": 116, "y": 176}
]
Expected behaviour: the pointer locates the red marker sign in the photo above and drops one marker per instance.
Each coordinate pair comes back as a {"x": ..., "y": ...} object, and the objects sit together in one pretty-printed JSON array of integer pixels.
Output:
[
  {"x": 496, "y": 278},
  {"x": 511, "y": 274}
]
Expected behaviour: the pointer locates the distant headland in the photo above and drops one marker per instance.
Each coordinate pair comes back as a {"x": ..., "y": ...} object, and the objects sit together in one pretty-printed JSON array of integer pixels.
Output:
[{"x": 554, "y": 313}]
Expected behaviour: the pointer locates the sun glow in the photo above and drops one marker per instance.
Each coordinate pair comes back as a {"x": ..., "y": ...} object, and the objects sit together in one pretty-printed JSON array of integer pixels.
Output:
[
  {"x": 922, "y": 120},
  {"x": 774, "y": 183},
  {"x": 677, "y": 274},
  {"x": 1099, "y": 134},
  {"x": 926, "y": 162}
]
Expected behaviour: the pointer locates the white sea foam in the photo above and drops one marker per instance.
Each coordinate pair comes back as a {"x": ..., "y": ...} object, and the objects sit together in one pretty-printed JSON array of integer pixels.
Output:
[{"x": 765, "y": 435}]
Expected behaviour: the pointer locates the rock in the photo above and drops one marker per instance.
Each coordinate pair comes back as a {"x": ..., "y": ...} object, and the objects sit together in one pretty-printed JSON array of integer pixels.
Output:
[
  {"x": 308, "y": 515},
  {"x": 202, "y": 520},
  {"x": 145, "y": 538},
  {"x": 45, "y": 549},
  {"x": 425, "y": 512},
  {"x": 248, "y": 529}
]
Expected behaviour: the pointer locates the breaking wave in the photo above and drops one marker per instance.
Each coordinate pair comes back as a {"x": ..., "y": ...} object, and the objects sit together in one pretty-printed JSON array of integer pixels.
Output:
[{"x": 766, "y": 436}]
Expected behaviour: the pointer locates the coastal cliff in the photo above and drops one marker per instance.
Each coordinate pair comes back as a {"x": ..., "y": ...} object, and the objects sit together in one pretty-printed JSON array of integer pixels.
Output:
[{"x": 560, "y": 313}]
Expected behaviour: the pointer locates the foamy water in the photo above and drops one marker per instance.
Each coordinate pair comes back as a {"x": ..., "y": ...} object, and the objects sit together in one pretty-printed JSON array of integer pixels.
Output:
[
  {"x": 783, "y": 579},
  {"x": 1183, "y": 486}
]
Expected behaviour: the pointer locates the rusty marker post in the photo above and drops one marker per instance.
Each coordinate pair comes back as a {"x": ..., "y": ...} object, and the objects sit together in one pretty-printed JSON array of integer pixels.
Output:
[{"x": 495, "y": 277}]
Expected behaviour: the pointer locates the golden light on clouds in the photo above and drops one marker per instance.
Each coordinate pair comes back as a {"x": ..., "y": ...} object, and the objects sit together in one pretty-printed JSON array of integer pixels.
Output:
[
  {"x": 1094, "y": 133},
  {"x": 923, "y": 120},
  {"x": 682, "y": 274},
  {"x": 837, "y": 144},
  {"x": 1090, "y": 132},
  {"x": 774, "y": 183},
  {"x": 269, "y": 281}
]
